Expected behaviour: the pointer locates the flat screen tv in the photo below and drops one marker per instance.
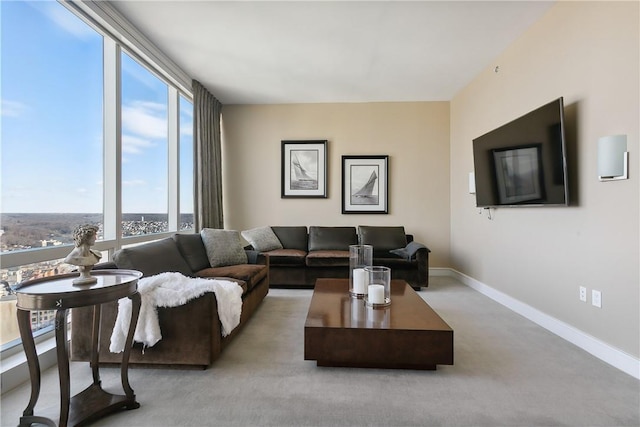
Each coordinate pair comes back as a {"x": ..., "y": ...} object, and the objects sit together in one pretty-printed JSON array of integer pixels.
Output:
[{"x": 523, "y": 163}]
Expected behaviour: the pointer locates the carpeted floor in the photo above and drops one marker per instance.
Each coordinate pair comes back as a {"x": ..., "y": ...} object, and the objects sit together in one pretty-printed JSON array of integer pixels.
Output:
[{"x": 507, "y": 372}]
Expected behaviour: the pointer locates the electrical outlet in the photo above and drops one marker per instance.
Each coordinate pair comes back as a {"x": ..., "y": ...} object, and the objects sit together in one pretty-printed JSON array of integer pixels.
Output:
[
  {"x": 583, "y": 294},
  {"x": 596, "y": 298}
]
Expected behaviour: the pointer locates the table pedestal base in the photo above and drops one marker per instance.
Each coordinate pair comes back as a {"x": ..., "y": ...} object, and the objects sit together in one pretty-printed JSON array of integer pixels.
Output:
[{"x": 82, "y": 407}]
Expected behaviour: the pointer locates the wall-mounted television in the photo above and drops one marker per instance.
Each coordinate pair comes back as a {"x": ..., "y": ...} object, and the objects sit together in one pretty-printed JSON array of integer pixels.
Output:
[{"x": 524, "y": 162}]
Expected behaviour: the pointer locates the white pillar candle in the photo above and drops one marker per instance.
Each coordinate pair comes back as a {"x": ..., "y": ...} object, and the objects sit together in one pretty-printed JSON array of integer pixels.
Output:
[
  {"x": 376, "y": 294},
  {"x": 359, "y": 280}
]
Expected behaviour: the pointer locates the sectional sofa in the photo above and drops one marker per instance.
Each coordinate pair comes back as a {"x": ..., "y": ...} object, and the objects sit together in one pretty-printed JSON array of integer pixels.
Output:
[
  {"x": 300, "y": 255},
  {"x": 191, "y": 333}
]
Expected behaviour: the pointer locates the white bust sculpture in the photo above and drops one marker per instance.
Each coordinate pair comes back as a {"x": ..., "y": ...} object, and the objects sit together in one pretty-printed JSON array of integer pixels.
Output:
[{"x": 83, "y": 256}]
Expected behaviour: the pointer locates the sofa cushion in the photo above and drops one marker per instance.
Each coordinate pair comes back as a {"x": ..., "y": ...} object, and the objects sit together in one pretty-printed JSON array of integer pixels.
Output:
[
  {"x": 332, "y": 238},
  {"x": 292, "y": 237},
  {"x": 330, "y": 258},
  {"x": 262, "y": 239},
  {"x": 153, "y": 258},
  {"x": 250, "y": 274},
  {"x": 382, "y": 238},
  {"x": 286, "y": 257},
  {"x": 192, "y": 250},
  {"x": 223, "y": 247}
]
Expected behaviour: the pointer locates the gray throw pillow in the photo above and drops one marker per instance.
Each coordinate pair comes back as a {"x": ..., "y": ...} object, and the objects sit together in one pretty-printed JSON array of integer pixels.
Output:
[
  {"x": 262, "y": 239},
  {"x": 223, "y": 247},
  {"x": 408, "y": 251}
]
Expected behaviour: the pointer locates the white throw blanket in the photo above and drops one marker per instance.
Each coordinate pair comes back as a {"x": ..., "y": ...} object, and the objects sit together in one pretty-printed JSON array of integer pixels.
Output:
[{"x": 172, "y": 290}]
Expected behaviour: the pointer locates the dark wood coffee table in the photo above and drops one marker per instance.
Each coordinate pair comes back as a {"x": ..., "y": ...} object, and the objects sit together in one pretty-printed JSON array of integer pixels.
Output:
[{"x": 343, "y": 331}]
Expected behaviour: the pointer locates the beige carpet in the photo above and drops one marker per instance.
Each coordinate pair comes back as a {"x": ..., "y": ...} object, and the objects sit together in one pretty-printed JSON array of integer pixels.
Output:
[{"x": 507, "y": 372}]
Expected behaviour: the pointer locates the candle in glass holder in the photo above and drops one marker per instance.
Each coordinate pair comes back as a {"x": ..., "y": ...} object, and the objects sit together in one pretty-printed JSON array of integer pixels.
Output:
[
  {"x": 359, "y": 280},
  {"x": 376, "y": 294},
  {"x": 379, "y": 289},
  {"x": 360, "y": 256}
]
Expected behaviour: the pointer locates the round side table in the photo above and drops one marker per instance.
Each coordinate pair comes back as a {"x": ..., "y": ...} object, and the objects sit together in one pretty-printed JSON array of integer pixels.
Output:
[{"x": 60, "y": 294}]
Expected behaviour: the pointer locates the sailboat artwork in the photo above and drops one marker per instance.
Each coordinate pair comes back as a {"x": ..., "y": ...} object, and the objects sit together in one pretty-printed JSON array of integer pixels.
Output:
[
  {"x": 304, "y": 174},
  {"x": 304, "y": 169},
  {"x": 365, "y": 184},
  {"x": 366, "y": 194}
]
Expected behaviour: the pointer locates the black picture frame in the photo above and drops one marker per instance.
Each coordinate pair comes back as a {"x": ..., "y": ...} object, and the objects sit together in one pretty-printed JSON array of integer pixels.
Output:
[
  {"x": 365, "y": 184},
  {"x": 304, "y": 169}
]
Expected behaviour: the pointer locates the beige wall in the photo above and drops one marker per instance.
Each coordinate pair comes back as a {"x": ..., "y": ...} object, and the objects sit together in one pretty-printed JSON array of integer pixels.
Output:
[
  {"x": 414, "y": 135},
  {"x": 587, "y": 52}
]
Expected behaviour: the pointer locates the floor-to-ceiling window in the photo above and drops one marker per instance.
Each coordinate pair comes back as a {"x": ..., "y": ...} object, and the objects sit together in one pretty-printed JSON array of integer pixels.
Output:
[
  {"x": 144, "y": 150},
  {"x": 79, "y": 146}
]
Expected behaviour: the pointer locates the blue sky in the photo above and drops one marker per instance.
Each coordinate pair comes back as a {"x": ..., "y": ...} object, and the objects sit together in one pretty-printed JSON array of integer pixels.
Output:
[{"x": 51, "y": 123}]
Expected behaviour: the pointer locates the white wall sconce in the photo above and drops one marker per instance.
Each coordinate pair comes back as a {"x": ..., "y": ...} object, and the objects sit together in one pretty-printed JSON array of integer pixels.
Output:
[{"x": 613, "y": 158}]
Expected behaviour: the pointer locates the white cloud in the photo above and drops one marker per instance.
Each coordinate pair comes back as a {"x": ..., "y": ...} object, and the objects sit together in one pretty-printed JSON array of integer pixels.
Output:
[
  {"x": 12, "y": 108},
  {"x": 67, "y": 21},
  {"x": 132, "y": 69},
  {"x": 186, "y": 122},
  {"x": 86, "y": 194},
  {"x": 187, "y": 112},
  {"x": 134, "y": 145},
  {"x": 186, "y": 131},
  {"x": 145, "y": 119},
  {"x": 134, "y": 183}
]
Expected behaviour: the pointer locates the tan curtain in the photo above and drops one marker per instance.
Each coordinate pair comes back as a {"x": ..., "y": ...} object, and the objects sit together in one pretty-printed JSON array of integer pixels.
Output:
[{"x": 207, "y": 159}]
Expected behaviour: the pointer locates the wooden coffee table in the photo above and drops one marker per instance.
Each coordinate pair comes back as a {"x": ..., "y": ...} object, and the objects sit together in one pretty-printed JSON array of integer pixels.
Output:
[{"x": 343, "y": 331}]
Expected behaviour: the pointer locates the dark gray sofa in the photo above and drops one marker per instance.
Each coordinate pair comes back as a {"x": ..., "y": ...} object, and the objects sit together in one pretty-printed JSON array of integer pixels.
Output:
[
  {"x": 191, "y": 333},
  {"x": 323, "y": 252}
]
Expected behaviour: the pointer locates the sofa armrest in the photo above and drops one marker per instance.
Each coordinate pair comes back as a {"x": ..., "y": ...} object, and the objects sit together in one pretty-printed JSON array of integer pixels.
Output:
[{"x": 422, "y": 258}]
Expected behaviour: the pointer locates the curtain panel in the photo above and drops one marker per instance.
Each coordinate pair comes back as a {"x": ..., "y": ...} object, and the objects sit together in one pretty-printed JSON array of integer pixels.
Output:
[{"x": 207, "y": 159}]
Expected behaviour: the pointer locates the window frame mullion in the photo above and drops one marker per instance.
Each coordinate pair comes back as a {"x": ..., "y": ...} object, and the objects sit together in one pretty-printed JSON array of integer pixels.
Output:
[
  {"x": 112, "y": 142},
  {"x": 173, "y": 184}
]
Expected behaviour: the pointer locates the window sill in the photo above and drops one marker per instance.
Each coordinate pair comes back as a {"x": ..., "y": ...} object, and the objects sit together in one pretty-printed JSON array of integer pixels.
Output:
[{"x": 14, "y": 369}]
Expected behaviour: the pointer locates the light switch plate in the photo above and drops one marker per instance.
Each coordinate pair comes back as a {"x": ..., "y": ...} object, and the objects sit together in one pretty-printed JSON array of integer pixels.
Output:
[{"x": 596, "y": 298}]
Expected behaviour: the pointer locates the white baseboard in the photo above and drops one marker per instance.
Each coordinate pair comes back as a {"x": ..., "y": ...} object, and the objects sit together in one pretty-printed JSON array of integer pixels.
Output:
[{"x": 603, "y": 351}]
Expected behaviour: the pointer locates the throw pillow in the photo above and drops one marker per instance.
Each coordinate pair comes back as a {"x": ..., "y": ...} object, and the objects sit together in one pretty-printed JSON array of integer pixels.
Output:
[
  {"x": 223, "y": 247},
  {"x": 408, "y": 251},
  {"x": 263, "y": 239}
]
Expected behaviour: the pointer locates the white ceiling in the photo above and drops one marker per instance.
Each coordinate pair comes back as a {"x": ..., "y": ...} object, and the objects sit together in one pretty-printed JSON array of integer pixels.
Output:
[{"x": 267, "y": 52}]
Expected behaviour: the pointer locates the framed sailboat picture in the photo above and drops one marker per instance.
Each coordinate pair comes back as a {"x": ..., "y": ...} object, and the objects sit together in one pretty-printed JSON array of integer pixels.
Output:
[
  {"x": 304, "y": 169},
  {"x": 365, "y": 184}
]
